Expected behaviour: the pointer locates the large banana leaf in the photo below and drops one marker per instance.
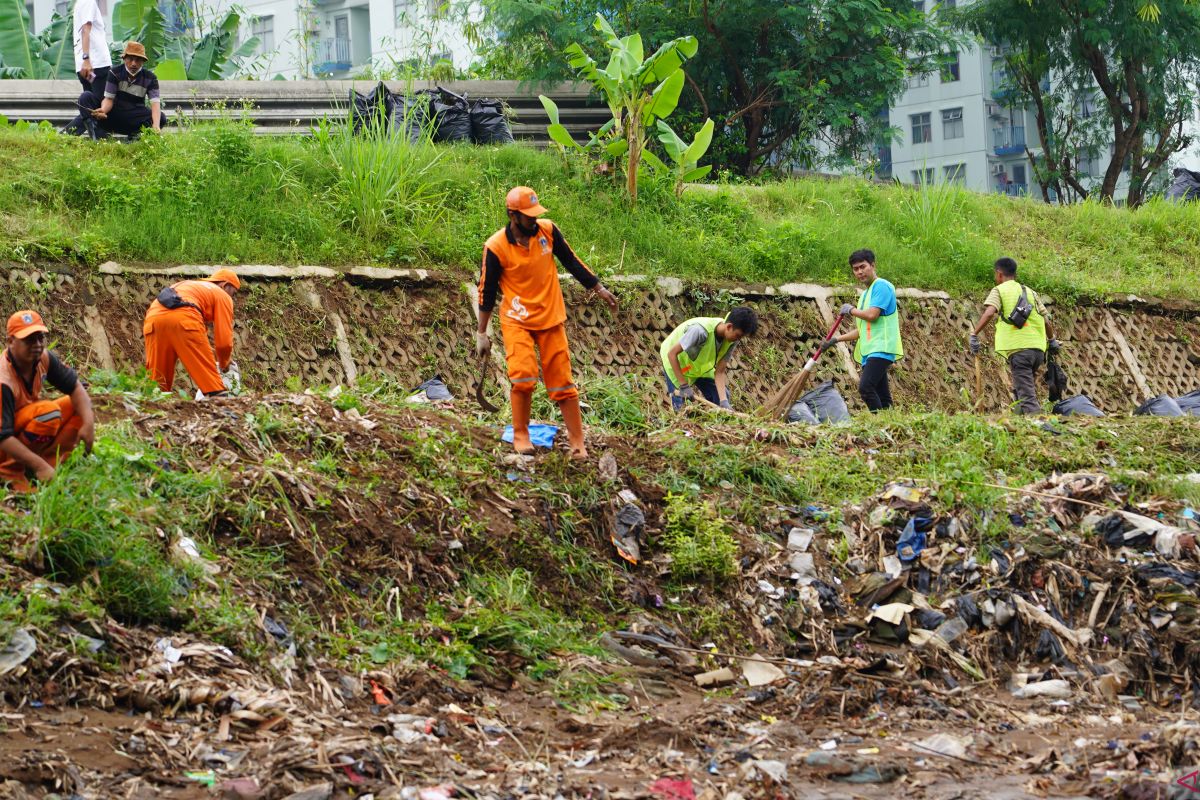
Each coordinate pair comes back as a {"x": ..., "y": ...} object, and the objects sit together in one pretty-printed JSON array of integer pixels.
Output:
[
  {"x": 587, "y": 68},
  {"x": 17, "y": 47},
  {"x": 171, "y": 69},
  {"x": 667, "y": 59},
  {"x": 700, "y": 144},
  {"x": 664, "y": 98},
  {"x": 57, "y": 49},
  {"x": 141, "y": 21},
  {"x": 200, "y": 68}
]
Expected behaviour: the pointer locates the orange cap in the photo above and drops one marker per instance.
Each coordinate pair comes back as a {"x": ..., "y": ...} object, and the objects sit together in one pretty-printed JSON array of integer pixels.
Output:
[
  {"x": 224, "y": 275},
  {"x": 525, "y": 200},
  {"x": 23, "y": 323}
]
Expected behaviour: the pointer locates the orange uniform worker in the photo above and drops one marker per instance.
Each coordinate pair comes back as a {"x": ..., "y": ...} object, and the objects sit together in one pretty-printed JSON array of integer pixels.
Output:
[
  {"x": 518, "y": 260},
  {"x": 36, "y": 434},
  {"x": 174, "y": 330}
]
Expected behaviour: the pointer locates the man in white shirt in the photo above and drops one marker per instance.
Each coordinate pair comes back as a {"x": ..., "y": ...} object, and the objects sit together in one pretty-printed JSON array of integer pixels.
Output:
[{"x": 93, "y": 58}]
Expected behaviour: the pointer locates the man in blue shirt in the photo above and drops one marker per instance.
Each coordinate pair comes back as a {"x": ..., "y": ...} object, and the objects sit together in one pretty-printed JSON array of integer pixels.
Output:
[
  {"x": 876, "y": 334},
  {"x": 128, "y": 88}
]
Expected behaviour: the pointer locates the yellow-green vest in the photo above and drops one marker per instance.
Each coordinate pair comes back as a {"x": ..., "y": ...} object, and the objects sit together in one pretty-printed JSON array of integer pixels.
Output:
[
  {"x": 706, "y": 360},
  {"x": 880, "y": 336},
  {"x": 1010, "y": 339}
]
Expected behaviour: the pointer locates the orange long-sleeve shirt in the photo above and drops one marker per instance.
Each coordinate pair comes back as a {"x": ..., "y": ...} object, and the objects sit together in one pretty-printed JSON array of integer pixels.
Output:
[{"x": 213, "y": 306}]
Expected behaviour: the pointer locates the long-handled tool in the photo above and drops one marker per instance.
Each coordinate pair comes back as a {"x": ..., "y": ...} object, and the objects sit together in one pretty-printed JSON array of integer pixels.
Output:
[
  {"x": 780, "y": 402},
  {"x": 484, "y": 403},
  {"x": 978, "y": 382}
]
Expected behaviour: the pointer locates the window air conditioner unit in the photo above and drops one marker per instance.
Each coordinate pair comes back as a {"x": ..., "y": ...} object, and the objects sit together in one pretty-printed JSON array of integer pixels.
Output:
[
  {"x": 994, "y": 110},
  {"x": 997, "y": 169}
]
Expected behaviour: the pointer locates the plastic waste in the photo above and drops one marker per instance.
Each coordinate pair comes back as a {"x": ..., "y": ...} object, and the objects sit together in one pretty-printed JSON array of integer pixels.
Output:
[
  {"x": 1161, "y": 406},
  {"x": 1079, "y": 404},
  {"x": 944, "y": 744},
  {"x": 1185, "y": 186},
  {"x": 488, "y": 123},
  {"x": 433, "y": 389},
  {"x": 827, "y": 403},
  {"x": 671, "y": 789},
  {"x": 451, "y": 117},
  {"x": 951, "y": 629},
  {"x": 800, "y": 412},
  {"x": 540, "y": 434},
  {"x": 20, "y": 646},
  {"x": 912, "y": 540},
  {"x": 1054, "y": 689},
  {"x": 370, "y": 108},
  {"x": 410, "y": 115},
  {"x": 1190, "y": 403}
]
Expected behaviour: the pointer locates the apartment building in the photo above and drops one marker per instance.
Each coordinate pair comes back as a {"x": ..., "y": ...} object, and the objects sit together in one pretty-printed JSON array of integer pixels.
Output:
[{"x": 324, "y": 38}]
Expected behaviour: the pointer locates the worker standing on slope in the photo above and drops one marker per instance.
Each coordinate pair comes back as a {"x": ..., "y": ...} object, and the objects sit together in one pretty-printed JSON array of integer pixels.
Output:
[
  {"x": 1022, "y": 330},
  {"x": 877, "y": 331},
  {"x": 174, "y": 330},
  {"x": 696, "y": 354},
  {"x": 36, "y": 434},
  {"x": 518, "y": 260}
]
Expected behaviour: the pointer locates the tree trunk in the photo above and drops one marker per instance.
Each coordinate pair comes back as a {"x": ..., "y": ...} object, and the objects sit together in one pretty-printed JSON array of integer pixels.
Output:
[{"x": 633, "y": 135}]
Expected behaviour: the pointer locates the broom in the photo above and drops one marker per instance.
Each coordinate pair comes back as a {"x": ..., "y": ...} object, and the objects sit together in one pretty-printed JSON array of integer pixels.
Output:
[{"x": 780, "y": 402}]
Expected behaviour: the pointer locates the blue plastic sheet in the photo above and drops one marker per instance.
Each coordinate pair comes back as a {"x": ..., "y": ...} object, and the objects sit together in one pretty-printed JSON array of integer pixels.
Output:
[{"x": 540, "y": 435}]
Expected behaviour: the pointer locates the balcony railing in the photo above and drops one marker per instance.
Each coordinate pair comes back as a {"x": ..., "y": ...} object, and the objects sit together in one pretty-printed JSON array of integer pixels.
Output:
[
  {"x": 1009, "y": 141},
  {"x": 1014, "y": 189},
  {"x": 333, "y": 55},
  {"x": 1003, "y": 88}
]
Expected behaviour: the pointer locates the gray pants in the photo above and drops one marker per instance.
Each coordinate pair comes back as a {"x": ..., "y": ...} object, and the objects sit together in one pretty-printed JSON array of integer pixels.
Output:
[{"x": 1024, "y": 365}]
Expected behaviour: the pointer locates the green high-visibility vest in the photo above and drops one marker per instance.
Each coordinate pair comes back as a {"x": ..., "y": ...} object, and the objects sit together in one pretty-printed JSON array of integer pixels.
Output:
[
  {"x": 1010, "y": 339},
  {"x": 705, "y": 364},
  {"x": 880, "y": 336}
]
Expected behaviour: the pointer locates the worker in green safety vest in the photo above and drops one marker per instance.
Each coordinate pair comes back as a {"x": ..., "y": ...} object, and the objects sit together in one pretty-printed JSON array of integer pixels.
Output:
[
  {"x": 696, "y": 354},
  {"x": 876, "y": 333},
  {"x": 1023, "y": 332}
]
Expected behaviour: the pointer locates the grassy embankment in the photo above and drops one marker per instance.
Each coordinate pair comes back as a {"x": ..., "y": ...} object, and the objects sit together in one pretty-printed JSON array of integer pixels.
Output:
[
  {"x": 508, "y": 593},
  {"x": 217, "y": 194}
]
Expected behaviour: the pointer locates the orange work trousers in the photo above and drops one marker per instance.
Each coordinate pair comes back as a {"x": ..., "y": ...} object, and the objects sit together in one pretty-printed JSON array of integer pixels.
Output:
[
  {"x": 551, "y": 344},
  {"x": 50, "y": 428},
  {"x": 180, "y": 336}
]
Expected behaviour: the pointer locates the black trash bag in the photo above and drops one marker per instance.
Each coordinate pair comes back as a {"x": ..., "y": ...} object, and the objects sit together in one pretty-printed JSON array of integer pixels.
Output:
[
  {"x": 1165, "y": 573},
  {"x": 488, "y": 123},
  {"x": 410, "y": 115},
  {"x": 1049, "y": 648},
  {"x": 1161, "y": 406},
  {"x": 1186, "y": 185},
  {"x": 800, "y": 412},
  {"x": 372, "y": 108},
  {"x": 451, "y": 117},
  {"x": 1190, "y": 403},
  {"x": 928, "y": 618},
  {"x": 1079, "y": 404},
  {"x": 968, "y": 609},
  {"x": 1056, "y": 379},
  {"x": 827, "y": 403},
  {"x": 435, "y": 389}
]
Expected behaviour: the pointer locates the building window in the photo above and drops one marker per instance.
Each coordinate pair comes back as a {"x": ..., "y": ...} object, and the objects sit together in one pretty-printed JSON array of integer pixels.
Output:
[
  {"x": 264, "y": 29},
  {"x": 955, "y": 173},
  {"x": 952, "y": 123},
  {"x": 62, "y": 7},
  {"x": 923, "y": 177},
  {"x": 950, "y": 68},
  {"x": 919, "y": 80},
  {"x": 922, "y": 128},
  {"x": 919, "y": 6},
  {"x": 437, "y": 8},
  {"x": 1018, "y": 174},
  {"x": 405, "y": 9}
]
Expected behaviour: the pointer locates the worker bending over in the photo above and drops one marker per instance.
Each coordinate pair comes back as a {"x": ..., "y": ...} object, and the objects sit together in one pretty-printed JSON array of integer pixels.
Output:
[
  {"x": 174, "y": 330},
  {"x": 696, "y": 354}
]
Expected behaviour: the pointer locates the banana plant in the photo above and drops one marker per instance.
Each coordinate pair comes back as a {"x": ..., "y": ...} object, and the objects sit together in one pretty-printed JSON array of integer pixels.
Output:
[
  {"x": 24, "y": 54},
  {"x": 180, "y": 56},
  {"x": 685, "y": 156},
  {"x": 638, "y": 90}
]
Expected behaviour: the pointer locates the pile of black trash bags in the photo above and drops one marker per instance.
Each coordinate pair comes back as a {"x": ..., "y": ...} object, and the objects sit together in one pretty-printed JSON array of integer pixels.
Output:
[{"x": 450, "y": 117}]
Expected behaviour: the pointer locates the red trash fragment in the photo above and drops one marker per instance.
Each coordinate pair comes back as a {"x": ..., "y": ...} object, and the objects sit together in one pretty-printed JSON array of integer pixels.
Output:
[
  {"x": 379, "y": 694},
  {"x": 670, "y": 789}
]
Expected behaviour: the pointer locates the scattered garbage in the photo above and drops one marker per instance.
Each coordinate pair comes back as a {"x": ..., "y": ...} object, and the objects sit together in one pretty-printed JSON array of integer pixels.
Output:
[
  {"x": 432, "y": 390},
  {"x": 20, "y": 646},
  {"x": 826, "y": 403},
  {"x": 800, "y": 412},
  {"x": 540, "y": 434},
  {"x": 760, "y": 673},
  {"x": 912, "y": 539},
  {"x": 628, "y": 526},
  {"x": 1054, "y": 689},
  {"x": 944, "y": 744},
  {"x": 1079, "y": 404},
  {"x": 1160, "y": 406},
  {"x": 717, "y": 677},
  {"x": 1190, "y": 403},
  {"x": 672, "y": 789}
]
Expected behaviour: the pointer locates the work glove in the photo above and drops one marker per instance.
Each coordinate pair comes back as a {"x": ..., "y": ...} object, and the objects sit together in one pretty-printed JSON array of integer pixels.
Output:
[
  {"x": 726, "y": 404},
  {"x": 1053, "y": 345},
  {"x": 845, "y": 310},
  {"x": 483, "y": 345},
  {"x": 976, "y": 345},
  {"x": 687, "y": 392},
  {"x": 826, "y": 344},
  {"x": 232, "y": 378}
]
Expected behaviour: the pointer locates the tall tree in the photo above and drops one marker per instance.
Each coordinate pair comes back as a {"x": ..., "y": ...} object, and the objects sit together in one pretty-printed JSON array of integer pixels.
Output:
[
  {"x": 802, "y": 82},
  {"x": 1139, "y": 60}
]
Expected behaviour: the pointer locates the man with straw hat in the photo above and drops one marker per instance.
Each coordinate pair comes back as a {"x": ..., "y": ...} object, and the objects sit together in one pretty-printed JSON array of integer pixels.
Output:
[
  {"x": 129, "y": 87},
  {"x": 174, "y": 330}
]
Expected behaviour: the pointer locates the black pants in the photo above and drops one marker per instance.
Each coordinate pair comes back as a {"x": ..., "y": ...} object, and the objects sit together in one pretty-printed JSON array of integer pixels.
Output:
[
  {"x": 93, "y": 95},
  {"x": 706, "y": 386},
  {"x": 873, "y": 384},
  {"x": 128, "y": 120},
  {"x": 1024, "y": 365}
]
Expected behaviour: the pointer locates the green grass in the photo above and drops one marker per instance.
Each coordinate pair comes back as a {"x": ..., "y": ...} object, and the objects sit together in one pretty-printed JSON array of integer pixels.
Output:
[{"x": 218, "y": 194}]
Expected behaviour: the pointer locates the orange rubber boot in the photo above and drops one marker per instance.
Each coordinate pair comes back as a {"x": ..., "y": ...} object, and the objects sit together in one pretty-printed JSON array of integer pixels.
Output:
[
  {"x": 522, "y": 405},
  {"x": 573, "y": 420}
]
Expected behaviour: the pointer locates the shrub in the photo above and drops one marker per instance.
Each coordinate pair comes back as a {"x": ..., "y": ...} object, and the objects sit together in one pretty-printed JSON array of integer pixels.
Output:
[{"x": 699, "y": 545}]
